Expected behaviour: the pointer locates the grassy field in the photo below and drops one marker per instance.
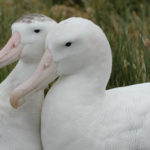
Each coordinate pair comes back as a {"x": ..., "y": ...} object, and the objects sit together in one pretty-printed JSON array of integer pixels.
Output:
[{"x": 125, "y": 22}]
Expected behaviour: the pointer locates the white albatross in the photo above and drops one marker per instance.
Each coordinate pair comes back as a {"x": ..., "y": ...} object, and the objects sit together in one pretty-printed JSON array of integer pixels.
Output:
[
  {"x": 78, "y": 112},
  {"x": 20, "y": 129}
]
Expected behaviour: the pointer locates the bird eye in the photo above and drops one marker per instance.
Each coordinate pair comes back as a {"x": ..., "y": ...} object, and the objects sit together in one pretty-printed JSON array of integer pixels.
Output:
[
  {"x": 68, "y": 44},
  {"x": 37, "y": 30}
]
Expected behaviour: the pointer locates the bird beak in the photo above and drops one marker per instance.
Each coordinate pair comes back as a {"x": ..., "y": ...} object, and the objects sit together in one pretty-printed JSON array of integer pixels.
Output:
[
  {"x": 11, "y": 51},
  {"x": 46, "y": 73}
]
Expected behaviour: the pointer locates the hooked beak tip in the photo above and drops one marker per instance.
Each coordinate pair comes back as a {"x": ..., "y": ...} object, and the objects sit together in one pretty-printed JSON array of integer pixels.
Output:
[
  {"x": 14, "y": 103},
  {"x": 15, "y": 106}
]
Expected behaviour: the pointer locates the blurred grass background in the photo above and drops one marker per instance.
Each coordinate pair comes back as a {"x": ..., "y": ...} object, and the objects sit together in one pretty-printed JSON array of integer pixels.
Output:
[{"x": 125, "y": 22}]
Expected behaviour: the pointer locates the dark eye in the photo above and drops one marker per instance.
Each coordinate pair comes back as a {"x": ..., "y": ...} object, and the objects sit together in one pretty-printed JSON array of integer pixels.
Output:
[
  {"x": 68, "y": 44},
  {"x": 37, "y": 30}
]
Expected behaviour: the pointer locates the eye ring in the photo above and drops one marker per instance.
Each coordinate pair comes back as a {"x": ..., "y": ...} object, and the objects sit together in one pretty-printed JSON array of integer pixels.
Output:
[
  {"x": 68, "y": 44},
  {"x": 37, "y": 30}
]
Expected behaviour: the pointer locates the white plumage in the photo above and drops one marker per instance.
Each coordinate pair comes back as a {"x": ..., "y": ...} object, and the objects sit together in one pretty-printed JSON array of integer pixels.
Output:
[
  {"x": 20, "y": 129},
  {"x": 78, "y": 112}
]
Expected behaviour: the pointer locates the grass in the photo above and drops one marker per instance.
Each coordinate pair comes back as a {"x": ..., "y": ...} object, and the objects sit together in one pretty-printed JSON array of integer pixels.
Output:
[{"x": 126, "y": 24}]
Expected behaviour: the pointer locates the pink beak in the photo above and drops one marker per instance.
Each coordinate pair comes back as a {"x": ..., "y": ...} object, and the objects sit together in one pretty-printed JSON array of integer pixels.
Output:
[
  {"x": 11, "y": 51},
  {"x": 45, "y": 73}
]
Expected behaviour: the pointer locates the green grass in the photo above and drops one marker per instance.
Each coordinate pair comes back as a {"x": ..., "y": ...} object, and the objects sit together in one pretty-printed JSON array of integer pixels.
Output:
[{"x": 125, "y": 22}]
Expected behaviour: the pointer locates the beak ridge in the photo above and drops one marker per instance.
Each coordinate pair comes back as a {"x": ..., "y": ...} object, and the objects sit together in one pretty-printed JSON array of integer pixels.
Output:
[
  {"x": 12, "y": 50},
  {"x": 45, "y": 73}
]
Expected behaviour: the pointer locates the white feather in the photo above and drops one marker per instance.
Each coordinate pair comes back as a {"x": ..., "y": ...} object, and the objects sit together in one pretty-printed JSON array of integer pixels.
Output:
[
  {"x": 20, "y": 129},
  {"x": 78, "y": 113}
]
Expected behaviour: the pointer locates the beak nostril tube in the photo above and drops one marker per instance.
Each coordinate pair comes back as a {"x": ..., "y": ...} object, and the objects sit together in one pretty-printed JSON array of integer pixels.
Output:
[
  {"x": 13, "y": 46},
  {"x": 12, "y": 50},
  {"x": 47, "y": 69},
  {"x": 46, "y": 65}
]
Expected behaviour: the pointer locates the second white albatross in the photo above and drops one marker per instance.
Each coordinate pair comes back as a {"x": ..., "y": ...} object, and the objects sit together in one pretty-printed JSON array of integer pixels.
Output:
[
  {"x": 78, "y": 112},
  {"x": 20, "y": 129}
]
